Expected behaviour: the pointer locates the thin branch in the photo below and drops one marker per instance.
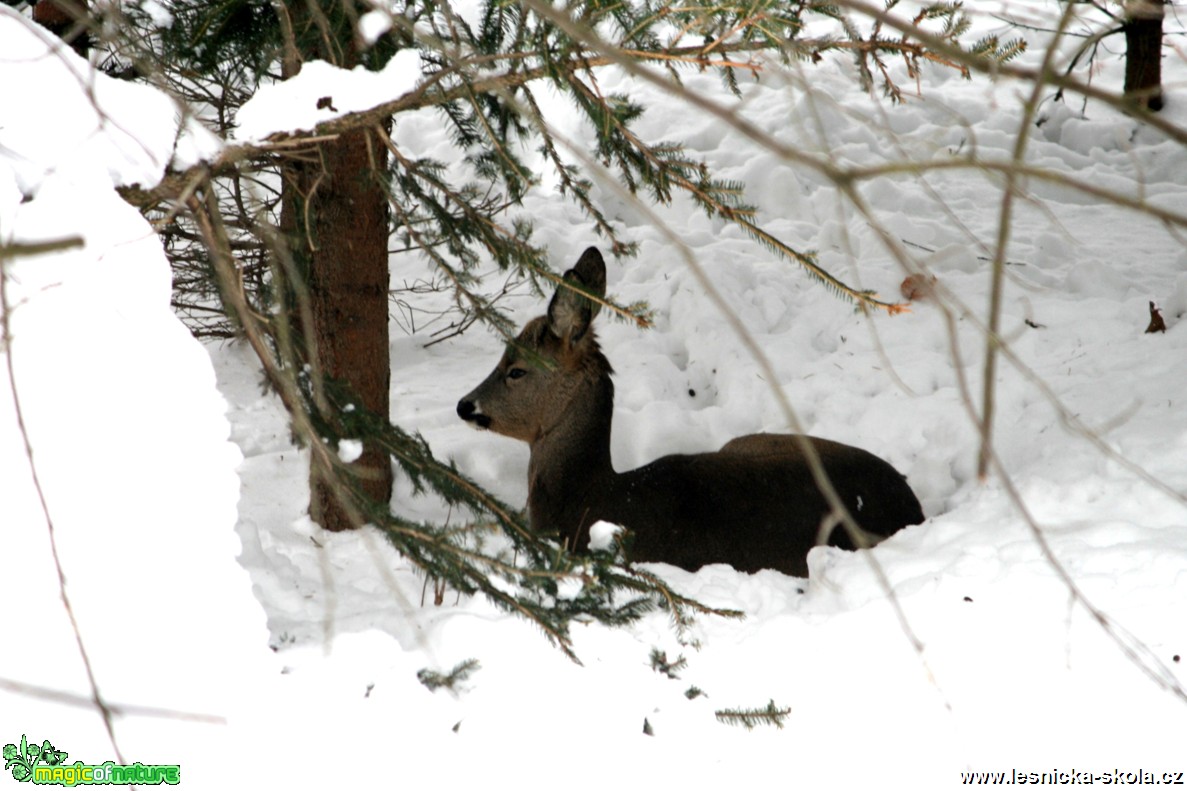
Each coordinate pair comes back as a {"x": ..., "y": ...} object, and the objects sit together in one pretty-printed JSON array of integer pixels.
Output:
[
  {"x": 96, "y": 698},
  {"x": 998, "y": 267},
  {"x": 117, "y": 709}
]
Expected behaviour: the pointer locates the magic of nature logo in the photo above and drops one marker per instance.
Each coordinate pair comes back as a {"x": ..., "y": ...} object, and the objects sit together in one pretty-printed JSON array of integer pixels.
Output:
[{"x": 43, "y": 764}]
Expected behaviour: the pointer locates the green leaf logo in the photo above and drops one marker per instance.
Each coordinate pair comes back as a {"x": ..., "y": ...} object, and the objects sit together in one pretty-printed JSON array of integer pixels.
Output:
[
  {"x": 22, "y": 760},
  {"x": 51, "y": 756}
]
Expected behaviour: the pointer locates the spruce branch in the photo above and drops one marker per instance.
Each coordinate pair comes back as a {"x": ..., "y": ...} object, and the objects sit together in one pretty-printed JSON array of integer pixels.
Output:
[
  {"x": 434, "y": 681},
  {"x": 660, "y": 664},
  {"x": 752, "y": 718}
]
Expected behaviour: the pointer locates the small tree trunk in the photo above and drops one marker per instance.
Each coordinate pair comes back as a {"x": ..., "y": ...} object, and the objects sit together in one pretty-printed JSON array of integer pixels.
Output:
[
  {"x": 335, "y": 215},
  {"x": 1143, "y": 52},
  {"x": 348, "y": 292}
]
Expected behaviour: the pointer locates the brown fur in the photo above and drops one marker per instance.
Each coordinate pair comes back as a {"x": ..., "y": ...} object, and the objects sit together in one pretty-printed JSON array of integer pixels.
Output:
[{"x": 753, "y": 504}]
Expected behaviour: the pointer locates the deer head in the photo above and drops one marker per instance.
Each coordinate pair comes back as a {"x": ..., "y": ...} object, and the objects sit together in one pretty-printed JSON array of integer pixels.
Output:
[{"x": 553, "y": 361}]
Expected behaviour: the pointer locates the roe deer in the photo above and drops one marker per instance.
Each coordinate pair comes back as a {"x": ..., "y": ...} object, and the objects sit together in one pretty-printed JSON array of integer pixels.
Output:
[{"x": 753, "y": 504}]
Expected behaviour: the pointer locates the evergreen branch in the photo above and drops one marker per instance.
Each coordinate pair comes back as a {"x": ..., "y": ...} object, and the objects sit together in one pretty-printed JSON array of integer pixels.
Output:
[
  {"x": 570, "y": 184},
  {"x": 530, "y": 586},
  {"x": 677, "y": 606},
  {"x": 637, "y": 312},
  {"x": 498, "y": 240},
  {"x": 434, "y": 681},
  {"x": 819, "y": 273},
  {"x": 660, "y": 664},
  {"x": 663, "y": 166},
  {"x": 420, "y": 546},
  {"x": 434, "y": 92},
  {"x": 699, "y": 59},
  {"x": 751, "y": 718}
]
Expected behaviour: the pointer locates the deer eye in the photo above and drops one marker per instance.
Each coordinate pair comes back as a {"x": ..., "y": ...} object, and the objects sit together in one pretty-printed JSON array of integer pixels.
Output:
[{"x": 516, "y": 373}]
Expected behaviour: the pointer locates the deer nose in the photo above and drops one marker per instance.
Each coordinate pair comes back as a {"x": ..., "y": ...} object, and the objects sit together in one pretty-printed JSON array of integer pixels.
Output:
[{"x": 466, "y": 409}]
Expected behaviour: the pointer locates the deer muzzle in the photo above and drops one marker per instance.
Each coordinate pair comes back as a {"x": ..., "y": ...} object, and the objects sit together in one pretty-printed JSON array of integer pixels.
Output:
[{"x": 468, "y": 411}]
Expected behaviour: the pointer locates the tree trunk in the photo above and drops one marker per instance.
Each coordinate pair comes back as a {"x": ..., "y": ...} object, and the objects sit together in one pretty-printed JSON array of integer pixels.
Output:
[
  {"x": 1143, "y": 52},
  {"x": 335, "y": 215},
  {"x": 348, "y": 292}
]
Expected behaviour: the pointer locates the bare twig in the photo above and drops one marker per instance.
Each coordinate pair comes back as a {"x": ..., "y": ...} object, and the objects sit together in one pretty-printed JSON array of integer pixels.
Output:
[
  {"x": 96, "y": 699},
  {"x": 998, "y": 267}
]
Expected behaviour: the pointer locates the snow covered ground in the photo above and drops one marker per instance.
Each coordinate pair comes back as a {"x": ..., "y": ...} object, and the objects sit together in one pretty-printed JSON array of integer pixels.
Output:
[{"x": 997, "y": 667}]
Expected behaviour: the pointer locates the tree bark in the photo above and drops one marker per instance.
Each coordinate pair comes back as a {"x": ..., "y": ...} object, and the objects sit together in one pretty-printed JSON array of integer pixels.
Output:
[
  {"x": 1143, "y": 52},
  {"x": 335, "y": 216},
  {"x": 348, "y": 294}
]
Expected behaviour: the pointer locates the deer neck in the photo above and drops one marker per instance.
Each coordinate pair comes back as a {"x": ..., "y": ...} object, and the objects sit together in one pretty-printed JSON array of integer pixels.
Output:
[{"x": 570, "y": 473}]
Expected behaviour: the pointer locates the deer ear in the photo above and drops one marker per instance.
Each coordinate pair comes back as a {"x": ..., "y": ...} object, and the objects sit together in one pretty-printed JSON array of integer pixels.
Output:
[{"x": 571, "y": 312}]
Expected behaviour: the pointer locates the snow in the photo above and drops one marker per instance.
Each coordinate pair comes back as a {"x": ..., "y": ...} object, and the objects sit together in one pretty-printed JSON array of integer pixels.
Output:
[
  {"x": 178, "y": 546},
  {"x": 374, "y": 24},
  {"x": 322, "y": 92},
  {"x": 88, "y": 136},
  {"x": 350, "y": 450},
  {"x": 601, "y": 535},
  {"x": 128, "y": 434}
]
